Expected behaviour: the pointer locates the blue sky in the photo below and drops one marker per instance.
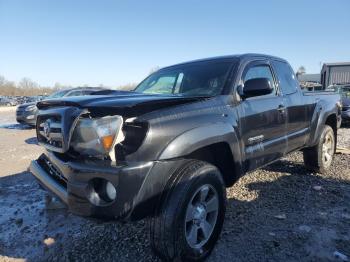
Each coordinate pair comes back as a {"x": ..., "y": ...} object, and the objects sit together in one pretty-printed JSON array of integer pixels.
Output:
[{"x": 118, "y": 42}]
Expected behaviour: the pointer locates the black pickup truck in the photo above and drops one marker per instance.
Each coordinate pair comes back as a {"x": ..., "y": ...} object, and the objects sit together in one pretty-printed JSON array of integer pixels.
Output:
[{"x": 168, "y": 149}]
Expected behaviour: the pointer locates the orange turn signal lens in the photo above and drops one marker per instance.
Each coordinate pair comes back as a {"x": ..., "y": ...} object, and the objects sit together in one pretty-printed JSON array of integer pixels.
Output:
[{"x": 107, "y": 142}]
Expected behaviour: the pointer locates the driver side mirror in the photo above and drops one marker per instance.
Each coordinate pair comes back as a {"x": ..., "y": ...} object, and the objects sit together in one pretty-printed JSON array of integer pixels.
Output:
[{"x": 256, "y": 87}]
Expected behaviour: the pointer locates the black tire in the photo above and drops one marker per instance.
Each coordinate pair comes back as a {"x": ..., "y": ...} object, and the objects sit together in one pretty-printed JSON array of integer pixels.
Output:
[
  {"x": 314, "y": 157},
  {"x": 168, "y": 226}
]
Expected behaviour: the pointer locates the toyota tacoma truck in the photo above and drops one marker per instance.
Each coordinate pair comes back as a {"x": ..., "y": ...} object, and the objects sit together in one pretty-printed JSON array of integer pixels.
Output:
[{"x": 167, "y": 150}]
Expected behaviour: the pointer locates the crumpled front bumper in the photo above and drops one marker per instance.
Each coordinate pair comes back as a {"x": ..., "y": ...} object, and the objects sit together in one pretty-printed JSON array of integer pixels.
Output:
[{"x": 69, "y": 180}]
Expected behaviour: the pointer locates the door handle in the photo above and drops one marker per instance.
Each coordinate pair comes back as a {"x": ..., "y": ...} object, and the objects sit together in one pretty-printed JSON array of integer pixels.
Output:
[{"x": 281, "y": 108}]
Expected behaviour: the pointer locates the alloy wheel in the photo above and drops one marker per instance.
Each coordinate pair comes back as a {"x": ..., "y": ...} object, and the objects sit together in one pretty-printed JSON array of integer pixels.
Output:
[
  {"x": 201, "y": 215},
  {"x": 328, "y": 149}
]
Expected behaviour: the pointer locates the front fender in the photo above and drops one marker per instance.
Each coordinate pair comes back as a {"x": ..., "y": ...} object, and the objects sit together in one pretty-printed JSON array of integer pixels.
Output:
[
  {"x": 199, "y": 137},
  {"x": 172, "y": 158}
]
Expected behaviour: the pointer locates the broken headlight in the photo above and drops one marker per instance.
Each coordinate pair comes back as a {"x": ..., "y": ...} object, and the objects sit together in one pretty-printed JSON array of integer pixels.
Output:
[{"x": 96, "y": 137}]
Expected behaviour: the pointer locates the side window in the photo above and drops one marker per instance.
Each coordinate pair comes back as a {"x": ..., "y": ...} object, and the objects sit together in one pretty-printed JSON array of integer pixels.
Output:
[
  {"x": 75, "y": 93},
  {"x": 260, "y": 71},
  {"x": 86, "y": 92},
  {"x": 286, "y": 78}
]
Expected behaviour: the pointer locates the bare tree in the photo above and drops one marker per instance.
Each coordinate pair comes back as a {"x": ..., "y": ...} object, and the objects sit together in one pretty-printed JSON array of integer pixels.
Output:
[
  {"x": 301, "y": 71},
  {"x": 2, "y": 81},
  {"x": 26, "y": 87},
  {"x": 127, "y": 87},
  {"x": 27, "y": 83},
  {"x": 6, "y": 87}
]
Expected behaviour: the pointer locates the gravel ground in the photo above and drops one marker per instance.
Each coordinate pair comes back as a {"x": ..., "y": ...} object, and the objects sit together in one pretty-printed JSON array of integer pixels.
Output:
[
  {"x": 278, "y": 213},
  {"x": 344, "y": 136}
]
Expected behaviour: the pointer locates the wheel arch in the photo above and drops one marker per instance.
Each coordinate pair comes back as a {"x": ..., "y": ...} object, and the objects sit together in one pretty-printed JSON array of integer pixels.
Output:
[
  {"x": 320, "y": 119},
  {"x": 220, "y": 155},
  {"x": 216, "y": 144}
]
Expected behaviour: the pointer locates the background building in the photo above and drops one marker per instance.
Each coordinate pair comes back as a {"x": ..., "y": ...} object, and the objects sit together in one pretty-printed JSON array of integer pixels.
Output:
[{"x": 335, "y": 73}]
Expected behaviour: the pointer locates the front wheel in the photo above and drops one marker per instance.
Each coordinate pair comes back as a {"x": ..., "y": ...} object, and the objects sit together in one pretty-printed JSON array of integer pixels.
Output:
[
  {"x": 319, "y": 158},
  {"x": 190, "y": 217}
]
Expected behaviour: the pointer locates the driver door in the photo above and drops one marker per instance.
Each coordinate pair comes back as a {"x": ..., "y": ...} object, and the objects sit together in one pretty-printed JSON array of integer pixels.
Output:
[{"x": 262, "y": 120}]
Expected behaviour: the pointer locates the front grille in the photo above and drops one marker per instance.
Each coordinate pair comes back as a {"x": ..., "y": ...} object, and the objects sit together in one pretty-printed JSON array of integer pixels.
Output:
[
  {"x": 19, "y": 111},
  {"x": 52, "y": 171},
  {"x": 49, "y": 131}
]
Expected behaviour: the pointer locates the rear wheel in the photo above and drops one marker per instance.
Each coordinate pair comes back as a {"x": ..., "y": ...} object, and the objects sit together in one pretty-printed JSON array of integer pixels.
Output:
[
  {"x": 190, "y": 217},
  {"x": 319, "y": 158}
]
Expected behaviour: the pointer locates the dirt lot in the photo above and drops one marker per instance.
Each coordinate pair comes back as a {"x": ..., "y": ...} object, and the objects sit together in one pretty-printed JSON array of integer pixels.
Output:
[{"x": 278, "y": 213}]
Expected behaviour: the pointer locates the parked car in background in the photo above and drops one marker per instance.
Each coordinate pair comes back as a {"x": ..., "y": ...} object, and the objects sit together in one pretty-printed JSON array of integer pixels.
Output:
[
  {"x": 5, "y": 101},
  {"x": 344, "y": 91},
  {"x": 168, "y": 150},
  {"x": 13, "y": 101},
  {"x": 28, "y": 99},
  {"x": 26, "y": 113}
]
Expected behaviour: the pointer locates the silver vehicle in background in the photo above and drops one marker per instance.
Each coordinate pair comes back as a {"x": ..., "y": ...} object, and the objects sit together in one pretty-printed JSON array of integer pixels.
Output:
[{"x": 26, "y": 113}]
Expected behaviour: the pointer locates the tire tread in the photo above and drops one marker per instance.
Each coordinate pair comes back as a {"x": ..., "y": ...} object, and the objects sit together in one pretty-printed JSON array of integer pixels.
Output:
[{"x": 159, "y": 235}]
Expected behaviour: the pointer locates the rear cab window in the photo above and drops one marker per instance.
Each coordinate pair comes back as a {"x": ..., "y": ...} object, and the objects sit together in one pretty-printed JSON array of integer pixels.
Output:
[{"x": 287, "y": 81}]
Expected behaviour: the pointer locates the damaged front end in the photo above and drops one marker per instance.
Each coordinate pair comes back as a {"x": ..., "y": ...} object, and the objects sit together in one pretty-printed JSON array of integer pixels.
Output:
[
  {"x": 81, "y": 166},
  {"x": 101, "y": 158},
  {"x": 97, "y": 137},
  {"x": 81, "y": 133}
]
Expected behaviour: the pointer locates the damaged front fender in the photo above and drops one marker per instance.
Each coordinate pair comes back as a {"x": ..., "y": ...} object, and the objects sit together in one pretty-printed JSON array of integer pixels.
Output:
[{"x": 199, "y": 137}]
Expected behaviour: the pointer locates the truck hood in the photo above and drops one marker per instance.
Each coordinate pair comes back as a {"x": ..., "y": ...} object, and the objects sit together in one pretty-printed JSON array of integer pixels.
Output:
[{"x": 123, "y": 103}]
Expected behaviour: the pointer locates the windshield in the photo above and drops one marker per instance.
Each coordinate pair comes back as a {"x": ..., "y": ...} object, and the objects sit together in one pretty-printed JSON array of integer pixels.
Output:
[
  {"x": 193, "y": 79},
  {"x": 58, "y": 94}
]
